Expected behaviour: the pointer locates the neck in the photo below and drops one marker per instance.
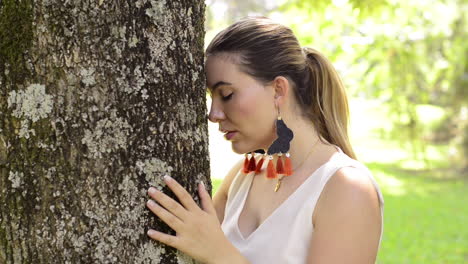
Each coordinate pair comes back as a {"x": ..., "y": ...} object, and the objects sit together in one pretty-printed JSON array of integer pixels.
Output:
[{"x": 305, "y": 142}]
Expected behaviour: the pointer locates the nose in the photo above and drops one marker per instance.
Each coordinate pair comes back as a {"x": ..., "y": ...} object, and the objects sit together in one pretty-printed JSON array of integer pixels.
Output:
[{"x": 216, "y": 113}]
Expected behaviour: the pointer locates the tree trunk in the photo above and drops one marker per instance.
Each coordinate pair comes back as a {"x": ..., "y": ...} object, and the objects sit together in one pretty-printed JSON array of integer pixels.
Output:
[{"x": 98, "y": 100}]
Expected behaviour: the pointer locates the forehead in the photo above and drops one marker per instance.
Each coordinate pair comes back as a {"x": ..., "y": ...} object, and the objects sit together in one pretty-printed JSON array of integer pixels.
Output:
[{"x": 219, "y": 69}]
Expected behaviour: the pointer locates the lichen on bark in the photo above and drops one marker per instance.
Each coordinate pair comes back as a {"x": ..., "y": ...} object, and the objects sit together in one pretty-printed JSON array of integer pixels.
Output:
[{"x": 98, "y": 101}]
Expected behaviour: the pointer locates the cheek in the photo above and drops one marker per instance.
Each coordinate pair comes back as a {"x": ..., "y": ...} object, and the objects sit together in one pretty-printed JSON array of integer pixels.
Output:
[
  {"x": 248, "y": 110},
  {"x": 255, "y": 105},
  {"x": 242, "y": 109},
  {"x": 257, "y": 117}
]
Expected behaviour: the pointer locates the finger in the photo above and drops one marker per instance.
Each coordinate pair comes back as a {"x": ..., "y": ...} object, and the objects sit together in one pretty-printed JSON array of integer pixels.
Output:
[
  {"x": 163, "y": 238},
  {"x": 205, "y": 197},
  {"x": 168, "y": 218},
  {"x": 184, "y": 197},
  {"x": 168, "y": 203}
]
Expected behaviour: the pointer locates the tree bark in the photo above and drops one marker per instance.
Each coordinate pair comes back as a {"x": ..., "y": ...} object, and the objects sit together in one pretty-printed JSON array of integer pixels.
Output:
[{"x": 98, "y": 100}]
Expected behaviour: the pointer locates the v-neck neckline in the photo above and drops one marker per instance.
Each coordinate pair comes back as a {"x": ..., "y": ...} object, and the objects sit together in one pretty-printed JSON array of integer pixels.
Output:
[{"x": 244, "y": 199}]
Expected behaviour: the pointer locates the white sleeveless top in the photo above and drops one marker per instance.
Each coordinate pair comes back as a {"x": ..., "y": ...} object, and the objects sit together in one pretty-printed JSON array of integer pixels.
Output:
[{"x": 284, "y": 236}]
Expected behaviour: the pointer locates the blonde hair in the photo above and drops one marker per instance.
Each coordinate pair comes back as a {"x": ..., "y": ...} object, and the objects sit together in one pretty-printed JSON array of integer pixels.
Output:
[{"x": 266, "y": 49}]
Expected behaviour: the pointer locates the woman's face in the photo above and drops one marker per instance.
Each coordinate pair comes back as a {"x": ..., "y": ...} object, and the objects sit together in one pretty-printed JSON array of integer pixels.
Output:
[{"x": 242, "y": 106}]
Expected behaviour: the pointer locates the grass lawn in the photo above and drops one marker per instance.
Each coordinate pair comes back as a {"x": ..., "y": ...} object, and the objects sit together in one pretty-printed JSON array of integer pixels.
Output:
[{"x": 425, "y": 216}]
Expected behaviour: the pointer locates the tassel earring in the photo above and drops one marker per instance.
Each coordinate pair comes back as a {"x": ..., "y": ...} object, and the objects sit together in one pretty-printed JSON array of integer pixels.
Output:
[
  {"x": 280, "y": 146},
  {"x": 279, "y": 165},
  {"x": 249, "y": 163},
  {"x": 271, "y": 171},
  {"x": 252, "y": 166},
  {"x": 260, "y": 164},
  {"x": 246, "y": 164},
  {"x": 287, "y": 165}
]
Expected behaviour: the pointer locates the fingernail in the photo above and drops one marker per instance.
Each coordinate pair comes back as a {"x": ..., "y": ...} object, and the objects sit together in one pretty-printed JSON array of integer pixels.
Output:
[
  {"x": 151, "y": 232},
  {"x": 203, "y": 184},
  {"x": 151, "y": 203},
  {"x": 152, "y": 190},
  {"x": 167, "y": 178}
]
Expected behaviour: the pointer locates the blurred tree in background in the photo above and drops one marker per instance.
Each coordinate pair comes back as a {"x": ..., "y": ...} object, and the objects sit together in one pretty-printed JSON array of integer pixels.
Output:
[{"x": 410, "y": 56}]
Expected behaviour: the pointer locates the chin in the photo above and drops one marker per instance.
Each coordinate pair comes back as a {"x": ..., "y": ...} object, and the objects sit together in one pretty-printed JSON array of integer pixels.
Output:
[
  {"x": 236, "y": 149},
  {"x": 241, "y": 149}
]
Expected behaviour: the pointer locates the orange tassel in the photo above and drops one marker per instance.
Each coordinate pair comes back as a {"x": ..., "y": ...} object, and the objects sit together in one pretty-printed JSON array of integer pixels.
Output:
[
  {"x": 287, "y": 167},
  {"x": 259, "y": 165},
  {"x": 246, "y": 164},
  {"x": 252, "y": 166},
  {"x": 279, "y": 166},
  {"x": 271, "y": 172}
]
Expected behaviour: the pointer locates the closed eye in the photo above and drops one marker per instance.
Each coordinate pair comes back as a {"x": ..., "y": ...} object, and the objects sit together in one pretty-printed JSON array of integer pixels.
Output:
[{"x": 226, "y": 98}]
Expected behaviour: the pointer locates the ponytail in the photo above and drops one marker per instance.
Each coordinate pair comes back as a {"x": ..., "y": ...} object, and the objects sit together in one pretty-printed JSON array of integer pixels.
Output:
[{"x": 328, "y": 101}]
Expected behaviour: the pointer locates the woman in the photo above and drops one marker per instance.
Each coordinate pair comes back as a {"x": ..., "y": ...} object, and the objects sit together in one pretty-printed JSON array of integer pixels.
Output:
[{"x": 306, "y": 200}]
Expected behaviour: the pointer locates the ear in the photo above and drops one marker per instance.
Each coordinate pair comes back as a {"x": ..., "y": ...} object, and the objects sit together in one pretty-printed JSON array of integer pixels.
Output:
[{"x": 281, "y": 87}]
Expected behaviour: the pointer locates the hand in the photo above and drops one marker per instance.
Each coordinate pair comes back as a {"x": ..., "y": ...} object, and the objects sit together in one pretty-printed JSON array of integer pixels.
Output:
[{"x": 198, "y": 232}]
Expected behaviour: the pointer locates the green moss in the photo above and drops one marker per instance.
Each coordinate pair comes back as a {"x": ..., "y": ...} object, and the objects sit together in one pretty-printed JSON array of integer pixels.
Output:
[{"x": 16, "y": 36}]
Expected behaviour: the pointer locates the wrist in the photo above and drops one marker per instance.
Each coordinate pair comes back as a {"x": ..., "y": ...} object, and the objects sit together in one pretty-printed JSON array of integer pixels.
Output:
[{"x": 229, "y": 255}]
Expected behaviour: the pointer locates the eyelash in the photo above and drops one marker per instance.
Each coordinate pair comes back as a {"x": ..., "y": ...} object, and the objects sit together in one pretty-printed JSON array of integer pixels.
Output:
[{"x": 226, "y": 98}]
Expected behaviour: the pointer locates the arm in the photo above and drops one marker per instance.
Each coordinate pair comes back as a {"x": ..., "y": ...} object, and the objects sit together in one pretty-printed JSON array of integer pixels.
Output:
[
  {"x": 220, "y": 197},
  {"x": 347, "y": 221}
]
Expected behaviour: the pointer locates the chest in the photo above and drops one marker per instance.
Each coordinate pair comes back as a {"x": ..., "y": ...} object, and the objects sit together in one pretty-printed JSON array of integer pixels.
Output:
[{"x": 262, "y": 202}]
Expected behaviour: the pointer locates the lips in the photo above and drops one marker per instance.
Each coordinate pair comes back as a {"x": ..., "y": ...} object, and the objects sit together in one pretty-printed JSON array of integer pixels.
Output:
[{"x": 228, "y": 134}]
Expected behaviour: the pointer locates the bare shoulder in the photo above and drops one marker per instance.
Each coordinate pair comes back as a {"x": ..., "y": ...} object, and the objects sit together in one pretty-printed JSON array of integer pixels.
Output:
[
  {"x": 349, "y": 189},
  {"x": 347, "y": 219},
  {"x": 220, "y": 197},
  {"x": 350, "y": 181}
]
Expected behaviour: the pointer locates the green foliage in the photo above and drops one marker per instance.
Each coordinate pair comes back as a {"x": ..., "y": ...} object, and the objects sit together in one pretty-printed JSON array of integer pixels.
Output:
[
  {"x": 216, "y": 182},
  {"x": 364, "y": 7},
  {"x": 16, "y": 35},
  {"x": 403, "y": 53}
]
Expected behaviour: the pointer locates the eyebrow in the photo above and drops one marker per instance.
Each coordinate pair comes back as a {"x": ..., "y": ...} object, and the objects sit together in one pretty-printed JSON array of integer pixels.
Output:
[{"x": 220, "y": 83}]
